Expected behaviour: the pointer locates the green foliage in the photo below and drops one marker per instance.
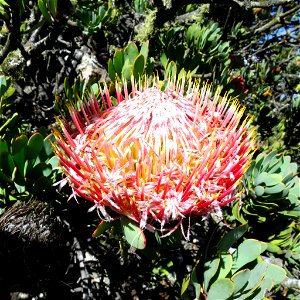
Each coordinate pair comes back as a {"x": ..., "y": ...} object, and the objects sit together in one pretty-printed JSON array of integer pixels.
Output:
[
  {"x": 198, "y": 47},
  {"x": 26, "y": 166},
  {"x": 273, "y": 186},
  {"x": 92, "y": 17},
  {"x": 133, "y": 234},
  {"x": 129, "y": 62},
  {"x": 48, "y": 9},
  {"x": 272, "y": 204},
  {"x": 6, "y": 91},
  {"x": 3, "y": 8},
  {"x": 230, "y": 273},
  {"x": 140, "y": 5},
  {"x": 73, "y": 93}
]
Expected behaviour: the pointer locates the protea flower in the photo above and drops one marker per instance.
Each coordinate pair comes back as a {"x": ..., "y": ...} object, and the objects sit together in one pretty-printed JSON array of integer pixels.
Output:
[{"x": 157, "y": 156}]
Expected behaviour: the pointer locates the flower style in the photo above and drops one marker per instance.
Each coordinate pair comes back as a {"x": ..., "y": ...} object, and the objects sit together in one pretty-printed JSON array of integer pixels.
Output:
[{"x": 159, "y": 155}]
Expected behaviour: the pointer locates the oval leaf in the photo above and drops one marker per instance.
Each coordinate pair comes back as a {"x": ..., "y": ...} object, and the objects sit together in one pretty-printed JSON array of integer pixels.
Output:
[
  {"x": 34, "y": 145},
  {"x": 210, "y": 269},
  {"x": 259, "y": 190},
  {"x": 111, "y": 71},
  {"x": 118, "y": 61},
  {"x": 246, "y": 252},
  {"x": 138, "y": 66},
  {"x": 240, "y": 280},
  {"x": 276, "y": 273},
  {"x": 133, "y": 234},
  {"x": 19, "y": 151},
  {"x": 221, "y": 289},
  {"x": 131, "y": 52}
]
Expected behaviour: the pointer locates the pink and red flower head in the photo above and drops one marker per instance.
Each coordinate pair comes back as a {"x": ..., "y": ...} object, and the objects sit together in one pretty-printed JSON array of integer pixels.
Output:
[{"x": 158, "y": 155}]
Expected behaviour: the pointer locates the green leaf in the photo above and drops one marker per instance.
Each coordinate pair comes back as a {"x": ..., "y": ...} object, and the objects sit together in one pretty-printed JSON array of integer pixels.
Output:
[
  {"x": 275, "y": 189},
  {"x": 133, "y": 234},
  {"x": 260, "y": 178},
  {"x": 4, "y": 84},
  {"x": 145, "y": 50},
  {"x": 111, "y": 71},
  {"x": 185, "y": 284},
  {"x": 260, "y": 292},
  {"x": 41, "y": 169},
  {"x": 257, "y": 275},
  {"x": 231, "y": 237},
  {"x": 240, "y": 280},
  {"x": 195, "y": 280},
  {"x": 225, "y": 265},
  {"x": 6, "y": 162},
  {"x": 276, "y": 273},
  {"x": 10, "y": 122},
  {"x": 47, "y": 149},
  {"x": 246, "y": 252},
  {"x": 259, "y": 190},
  {"x": 221, "y": 289},
  {"x": 53, "y": 7},
  {"x": 138, "y": 66},
  {"x": 20, "y": 188},
  {"x": 131, "y": 52},
  {"x": 102, "y": 227},
  {"x": 164, "y": 60},
  {"x": 40, "y": 185},
  {"x": 210, "y": 270},
  {"x": 127, "y": 70},
  {"x": 34, "y": 145},
  {"x": 42, "y": 4},
  {"x": 19, "y": 152},
  {"x": 118, "y": 62},
  {"x": 54, "y": 162},
  {"x": 171, "y": 71},
  {"x": 274, "y": 249},
  {"x": 268, "y": 159},
  {"x": 273, "y": 179},
  {"x": 236, "y": 211}
]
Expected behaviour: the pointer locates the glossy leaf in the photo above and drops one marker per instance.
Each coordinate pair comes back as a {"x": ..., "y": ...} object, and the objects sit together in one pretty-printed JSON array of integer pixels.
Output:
[
  {"x": 42, "y": 4},
  {"x": 231, "y": 237},
  {"x": 19, "y": 152},
  {"x": 138, "y": 66},
  {"x": 34, "y": 145},
  {"x": 111, "y": 71},
  {"x": 145, "y": 50},
  {"x": 127, "y": 70},
  {"x": 6, "y": 162},
  {"x": 131, "y": 52},
  {"x": 118, "y": 62}
]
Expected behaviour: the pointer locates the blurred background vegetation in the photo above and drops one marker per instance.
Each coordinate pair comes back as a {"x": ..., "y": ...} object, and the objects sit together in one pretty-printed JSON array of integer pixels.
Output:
[{"x": 52, "y": 52}]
